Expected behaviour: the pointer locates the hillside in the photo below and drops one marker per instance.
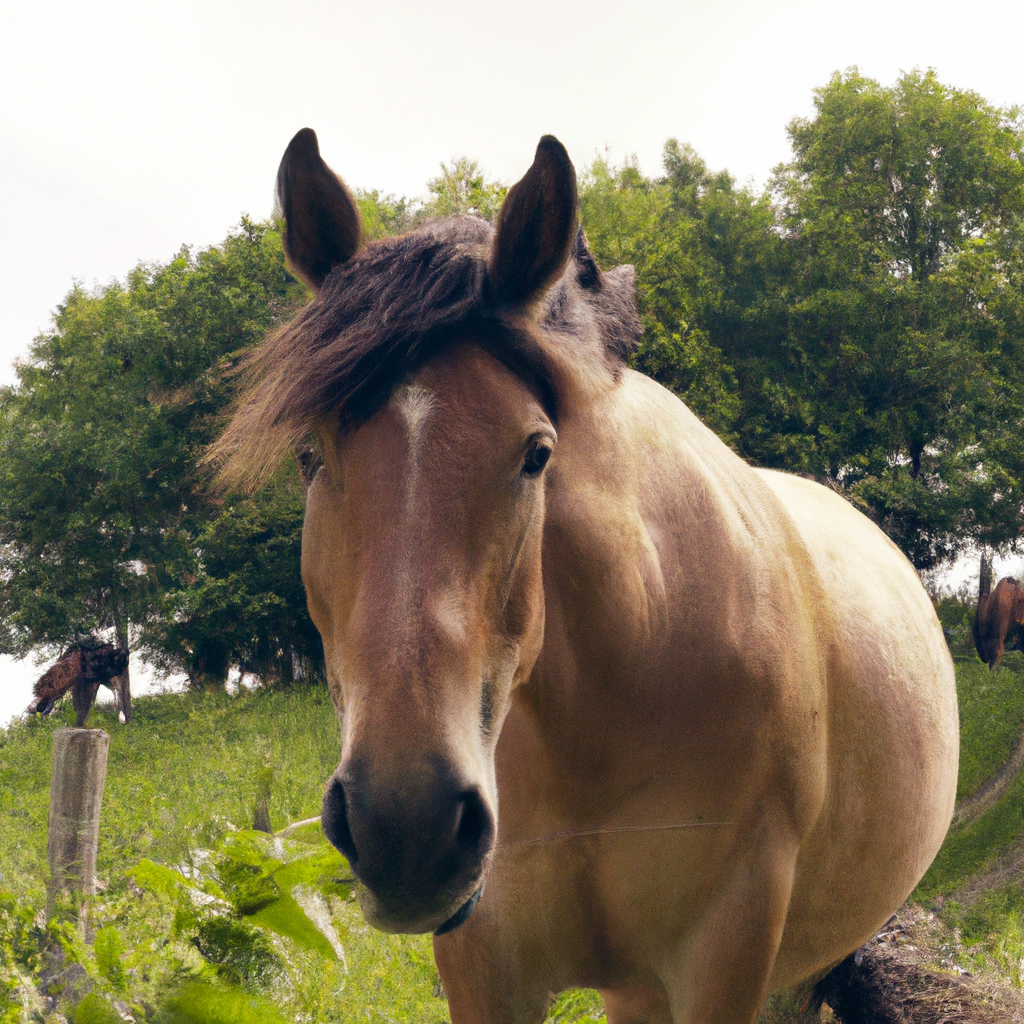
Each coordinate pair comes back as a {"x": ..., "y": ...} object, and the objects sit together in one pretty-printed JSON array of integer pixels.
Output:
[{"x": 183, "y": 777}]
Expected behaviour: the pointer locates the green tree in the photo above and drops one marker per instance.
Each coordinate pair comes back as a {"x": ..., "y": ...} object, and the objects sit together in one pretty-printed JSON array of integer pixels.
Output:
[
  {"x": 384, "y": 215},
  {"x": 896, "y": 378},
  {"x": 462, "y": 187},
  {"x": 239, "y": 600},
  {"x": 703, "y": 250},
  {"x": 102, "y": 503},
  {"x": 861, "y": 320}
]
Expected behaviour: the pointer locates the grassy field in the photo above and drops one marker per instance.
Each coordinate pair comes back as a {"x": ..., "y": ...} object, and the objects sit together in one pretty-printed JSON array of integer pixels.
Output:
[
  {"x": 180, "y": 777},
  {"x": 184, "y": 775}
]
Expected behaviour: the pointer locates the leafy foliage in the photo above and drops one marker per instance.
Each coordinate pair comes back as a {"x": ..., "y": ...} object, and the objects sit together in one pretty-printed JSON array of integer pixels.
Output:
[
  {"x": 105, "y": 515},
  {"x": 901, "y": 215},
  {"x": 252, "y": 879},
  {"x": 860, "y": 321},
  {"x": 462, "y": 188},
  {"x": 199, "y": 1003}
]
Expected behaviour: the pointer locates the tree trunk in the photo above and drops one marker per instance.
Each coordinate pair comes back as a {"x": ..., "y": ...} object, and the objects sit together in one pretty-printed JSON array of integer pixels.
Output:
[
  {"x": 985, "y": 575},
  {"x": 121, "y": 685},
  {"x": 76, "y": 793}
]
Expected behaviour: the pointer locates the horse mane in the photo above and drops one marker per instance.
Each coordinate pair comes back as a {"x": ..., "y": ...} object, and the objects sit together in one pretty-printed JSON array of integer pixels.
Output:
[{"x": 381, "y": 315}]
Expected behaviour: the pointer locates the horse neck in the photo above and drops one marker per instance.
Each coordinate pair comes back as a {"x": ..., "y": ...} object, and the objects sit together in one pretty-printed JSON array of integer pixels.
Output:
[{"x": 648, "y": 516}]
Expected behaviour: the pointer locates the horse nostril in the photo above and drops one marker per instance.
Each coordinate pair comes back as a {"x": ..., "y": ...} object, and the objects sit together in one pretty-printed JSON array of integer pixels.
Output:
[
  {"x": 334, "y": 821},
  {"x": 474, "y": 828}
]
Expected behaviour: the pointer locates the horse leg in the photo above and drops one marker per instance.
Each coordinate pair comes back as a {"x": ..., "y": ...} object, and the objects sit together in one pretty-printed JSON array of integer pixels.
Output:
[
  {"x": 83, "y": 693},
  {"x": 722, "y": 973},
  {"x": 486, "y": 983},
  {"x": 122, "y": 695},
  {"x": 639, "y": 1004}
]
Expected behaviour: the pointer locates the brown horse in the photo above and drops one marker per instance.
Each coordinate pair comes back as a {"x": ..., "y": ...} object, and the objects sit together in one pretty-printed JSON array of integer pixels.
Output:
[
  {"x": 997, "y": 614},
  {"x": 618, "y": 710},
  {"x": 80, "y": 669}
]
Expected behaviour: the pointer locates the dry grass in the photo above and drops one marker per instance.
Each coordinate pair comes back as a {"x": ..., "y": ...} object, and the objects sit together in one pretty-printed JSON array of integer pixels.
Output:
[{"x": 909, "y": 974}]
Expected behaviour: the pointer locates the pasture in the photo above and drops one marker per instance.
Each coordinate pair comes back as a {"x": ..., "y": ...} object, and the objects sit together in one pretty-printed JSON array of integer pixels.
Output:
[
  {"x": 181, "y": 777},
  {"x": 732, "y": 663},
  {"x": 185, "y": 774}
]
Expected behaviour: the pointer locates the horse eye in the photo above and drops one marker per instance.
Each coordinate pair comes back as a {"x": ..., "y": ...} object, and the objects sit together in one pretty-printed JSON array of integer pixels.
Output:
[{"x": 536, "y": 459}]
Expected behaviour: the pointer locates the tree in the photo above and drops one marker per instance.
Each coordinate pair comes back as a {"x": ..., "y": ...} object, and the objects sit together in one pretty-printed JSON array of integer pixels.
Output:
[
  {"x": 704, "y": 252},
  {"x": 898, "y": 366},
  {"x": 461, "y": 187},
  {"x": 239, "y": 600},
  {"x": 102, "y": 502},
  {"x": 862, "y": 320}
]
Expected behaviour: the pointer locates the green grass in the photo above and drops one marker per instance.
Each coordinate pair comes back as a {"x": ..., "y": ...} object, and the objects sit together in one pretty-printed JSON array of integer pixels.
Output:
[
  {"x": 991, "y": 712},
  {"x": 182, "y": 775},
  {"x": 988, "y": 922},
  {"x": 186, "y": 772},
  {"x": 179, "y": 775}
]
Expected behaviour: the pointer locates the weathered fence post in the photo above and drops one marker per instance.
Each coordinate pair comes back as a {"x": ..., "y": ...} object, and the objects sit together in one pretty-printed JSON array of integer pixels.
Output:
[{"x": 76, "y": 792}]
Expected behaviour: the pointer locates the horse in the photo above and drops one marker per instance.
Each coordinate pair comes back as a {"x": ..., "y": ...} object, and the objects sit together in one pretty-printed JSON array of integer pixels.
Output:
[
  {"x": 80, "y": 669},
  {"x": 996, "y": 615},
  {"x": 618, "y": 710}
]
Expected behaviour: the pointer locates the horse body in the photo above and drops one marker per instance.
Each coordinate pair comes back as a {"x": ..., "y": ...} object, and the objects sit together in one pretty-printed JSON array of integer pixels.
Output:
[
  {"x": 996, "y": 615},
  {"x": 80, "y": 669},
  {"x": 721, "y": 775},
  {"x": 618, "y": 710}
]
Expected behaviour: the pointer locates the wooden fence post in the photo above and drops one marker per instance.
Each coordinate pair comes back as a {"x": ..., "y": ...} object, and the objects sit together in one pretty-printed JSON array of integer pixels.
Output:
[{"x": 76, "y": 792}]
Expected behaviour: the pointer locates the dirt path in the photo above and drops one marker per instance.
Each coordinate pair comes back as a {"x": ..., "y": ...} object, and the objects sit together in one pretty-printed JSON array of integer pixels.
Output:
[
  {"x": 974, "y": 806},
  {"x": 906, "y": 975}
]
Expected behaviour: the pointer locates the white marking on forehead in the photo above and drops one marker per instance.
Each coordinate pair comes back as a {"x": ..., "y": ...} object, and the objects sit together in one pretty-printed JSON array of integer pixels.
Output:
[{"x": 414, "y": 403}]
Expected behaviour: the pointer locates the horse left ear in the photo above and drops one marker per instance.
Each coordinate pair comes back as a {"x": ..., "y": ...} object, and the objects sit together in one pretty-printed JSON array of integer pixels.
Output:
[
  {"x": 323, "y": 228},
  {"x": 536, "y": 227}
]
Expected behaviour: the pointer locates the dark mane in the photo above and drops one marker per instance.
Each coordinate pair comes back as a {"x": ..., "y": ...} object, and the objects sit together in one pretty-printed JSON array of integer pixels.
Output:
[{"x": 377, "y": 318}]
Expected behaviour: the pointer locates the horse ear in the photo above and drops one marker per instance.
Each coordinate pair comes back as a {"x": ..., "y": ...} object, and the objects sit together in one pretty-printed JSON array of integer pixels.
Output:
[
  {"x": 536, "y": 227},
  {"x": 322, "y": 224}
]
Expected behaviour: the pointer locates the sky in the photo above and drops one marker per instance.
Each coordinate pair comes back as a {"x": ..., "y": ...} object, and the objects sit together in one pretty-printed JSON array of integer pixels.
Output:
[{"x": 129, "y": 129}]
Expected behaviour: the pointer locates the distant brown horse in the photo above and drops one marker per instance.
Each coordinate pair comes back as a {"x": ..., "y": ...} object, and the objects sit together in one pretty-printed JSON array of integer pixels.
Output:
[
  {"x": 80, "y": 669},
  {"x": 997, "y": 614},
  {"x": 618, "y": 710}
]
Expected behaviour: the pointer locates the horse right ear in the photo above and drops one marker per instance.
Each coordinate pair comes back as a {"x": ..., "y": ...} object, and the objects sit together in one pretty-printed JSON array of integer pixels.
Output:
[
  {"x": 323, "y": 228},
  {"x": 536, "y": 227}
]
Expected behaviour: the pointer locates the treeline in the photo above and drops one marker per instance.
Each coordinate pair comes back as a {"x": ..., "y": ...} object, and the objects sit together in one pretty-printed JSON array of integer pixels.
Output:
[{"x": 859, "y": 320}]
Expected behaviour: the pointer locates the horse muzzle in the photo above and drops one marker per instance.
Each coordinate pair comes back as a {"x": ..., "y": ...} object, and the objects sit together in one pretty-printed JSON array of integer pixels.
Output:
[{"x": 419, "y": 849}]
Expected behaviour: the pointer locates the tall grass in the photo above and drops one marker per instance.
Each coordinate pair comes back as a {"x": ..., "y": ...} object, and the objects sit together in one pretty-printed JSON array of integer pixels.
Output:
[
  {"x": 185, "y": 773},
  {"x": 189, "y": 769}
]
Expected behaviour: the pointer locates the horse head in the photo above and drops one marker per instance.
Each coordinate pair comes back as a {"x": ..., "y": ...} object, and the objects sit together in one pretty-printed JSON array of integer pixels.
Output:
[{"x": 425, "y": 370}]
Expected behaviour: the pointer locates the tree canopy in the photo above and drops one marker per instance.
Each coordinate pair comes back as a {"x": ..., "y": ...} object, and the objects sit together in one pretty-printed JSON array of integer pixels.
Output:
[
  {"x": 106, "y": 519},
  {"x": 859, "y": 320}
]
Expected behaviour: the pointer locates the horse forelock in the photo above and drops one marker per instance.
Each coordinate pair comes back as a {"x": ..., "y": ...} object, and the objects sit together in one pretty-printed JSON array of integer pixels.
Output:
[{"x": 384, "y": 313}]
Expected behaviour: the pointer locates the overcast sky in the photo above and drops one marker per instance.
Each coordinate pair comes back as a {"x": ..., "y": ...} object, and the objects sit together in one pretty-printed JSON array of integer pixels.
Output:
[{"x": 129, "y": 129}]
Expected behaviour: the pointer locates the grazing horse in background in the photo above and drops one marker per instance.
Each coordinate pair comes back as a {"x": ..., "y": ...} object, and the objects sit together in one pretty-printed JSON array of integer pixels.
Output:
[
  {"x": 619, "y": 711},
  {"x": 80, "y": 669},
  {"x": 997, "y": 614}
]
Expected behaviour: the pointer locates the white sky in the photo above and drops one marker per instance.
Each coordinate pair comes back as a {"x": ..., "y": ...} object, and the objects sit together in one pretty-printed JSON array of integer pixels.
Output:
[{"x": 128, "y": 128}]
